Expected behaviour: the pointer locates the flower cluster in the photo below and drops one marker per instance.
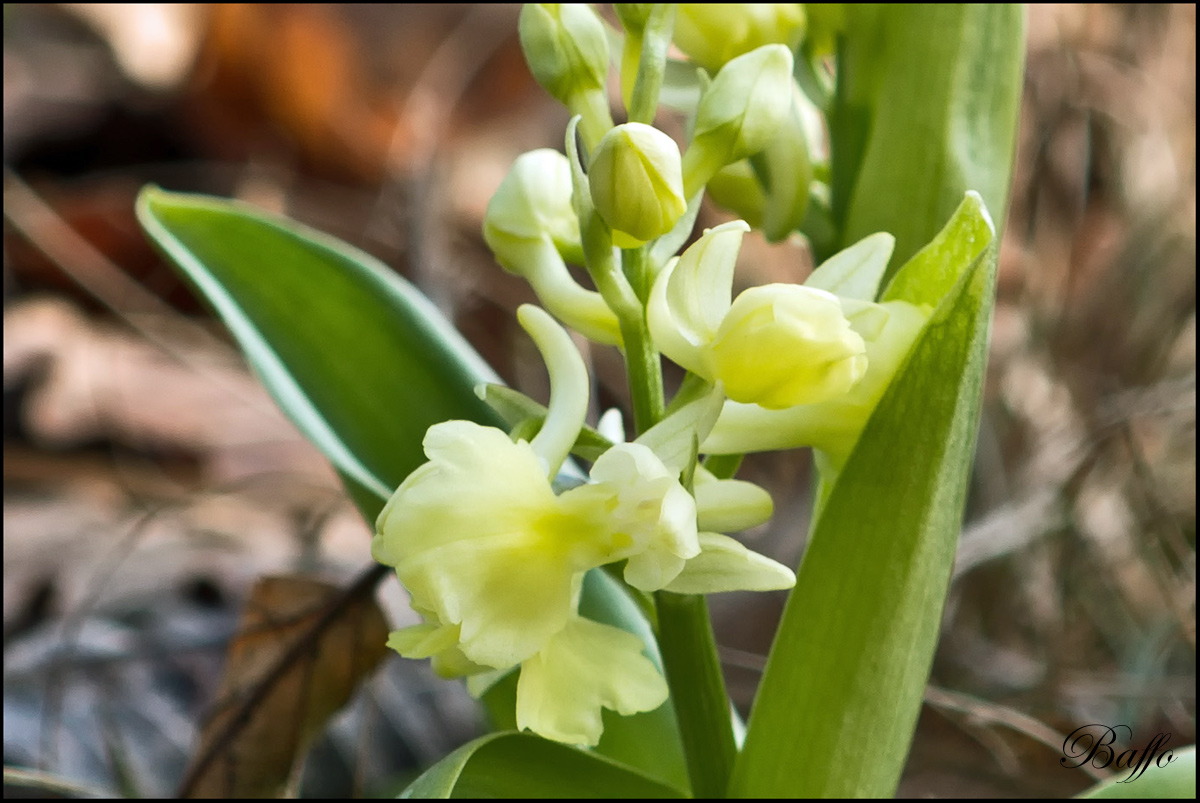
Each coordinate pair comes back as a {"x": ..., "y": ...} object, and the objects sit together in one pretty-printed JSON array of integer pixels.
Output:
[{"x": 491, "y": 553}]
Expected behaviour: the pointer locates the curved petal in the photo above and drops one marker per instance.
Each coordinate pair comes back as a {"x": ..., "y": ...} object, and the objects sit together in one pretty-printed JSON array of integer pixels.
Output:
[
  {"x": 669, "y": 337},
  {"x": 701, "y": 288},
  {"x": 567, "y": 410}
]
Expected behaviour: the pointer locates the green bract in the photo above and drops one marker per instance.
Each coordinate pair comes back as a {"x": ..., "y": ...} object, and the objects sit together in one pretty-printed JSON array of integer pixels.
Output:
[{"x": 637, "y": 183}]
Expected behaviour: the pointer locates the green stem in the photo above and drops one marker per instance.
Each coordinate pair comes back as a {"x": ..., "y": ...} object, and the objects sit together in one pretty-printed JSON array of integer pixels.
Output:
[
  {"x": 635, "y": 264},
  {"x": 652, "y": 66},
  {"x": 645, "y": 372},
  {"x": 592, "y": 105},
  {"x": 689, "y": 653}
]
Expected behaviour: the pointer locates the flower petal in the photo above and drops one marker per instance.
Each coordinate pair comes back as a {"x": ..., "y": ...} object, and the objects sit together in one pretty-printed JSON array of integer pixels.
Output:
[
  {"x": 725, "y": 565},
  {"x": 647, "y": 510},
  {"x": 729, "y": 505},
  {"x": 586, "y": 667}
]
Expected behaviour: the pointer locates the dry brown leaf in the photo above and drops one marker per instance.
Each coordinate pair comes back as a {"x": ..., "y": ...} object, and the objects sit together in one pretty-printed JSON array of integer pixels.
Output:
[{"x": 302, "y": 649}]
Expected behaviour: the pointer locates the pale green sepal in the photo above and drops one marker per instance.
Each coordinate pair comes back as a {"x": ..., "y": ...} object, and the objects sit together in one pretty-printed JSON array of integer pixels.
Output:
[
  {"x": 422, "y": 641},
  {"x": 855, "y": 272},
  {"x": 585, "y": 667},
  {"x": 700, "y": 290},
  {"x": 568, "y": 387},
  {"x": 787, "y": 175},
  {"x": 866, "y": 318},
  {"x": 672, "y": 438},
  {"x": 690, "y": 298},
  {"x": 666, "y": 331},
  {"x": 725, "y": 565},
  {"x": 729, "y": 506}
]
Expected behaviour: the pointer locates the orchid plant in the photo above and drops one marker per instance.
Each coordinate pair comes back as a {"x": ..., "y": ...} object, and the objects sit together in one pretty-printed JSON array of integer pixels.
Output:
[{"x": 561, "y": 570}]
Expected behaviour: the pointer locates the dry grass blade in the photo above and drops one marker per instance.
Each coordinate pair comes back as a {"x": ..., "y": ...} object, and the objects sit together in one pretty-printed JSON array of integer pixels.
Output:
[{"x": 301, "y": 651}]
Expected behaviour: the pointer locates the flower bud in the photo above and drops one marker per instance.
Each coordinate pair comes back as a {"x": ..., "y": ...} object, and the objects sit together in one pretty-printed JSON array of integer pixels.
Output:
[
  {"x": 712, "y": 34},
  {"x": 740, "y": 112},
  {"x": 531, "y": 228},
  {"x": 637, "y": 183},
  {"x": 566, "y": 48},
  {"x": 534, "y": 201},
  {"x": 781, "y": 345}
]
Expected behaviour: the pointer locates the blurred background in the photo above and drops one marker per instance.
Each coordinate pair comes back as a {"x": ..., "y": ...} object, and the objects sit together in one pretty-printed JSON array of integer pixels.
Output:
[{"x": 149, "y": 481}]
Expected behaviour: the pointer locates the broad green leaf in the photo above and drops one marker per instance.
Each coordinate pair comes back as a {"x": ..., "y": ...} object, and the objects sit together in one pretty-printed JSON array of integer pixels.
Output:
[
  {"x": 927, "y": 100},
  {"x": 848, "y": 667},
  {"x": 362, "y": 363},
  {"x": 359, "y": 360},
  {"x": 524, "y": 766},
  {"x": 1176, "y": 779}
]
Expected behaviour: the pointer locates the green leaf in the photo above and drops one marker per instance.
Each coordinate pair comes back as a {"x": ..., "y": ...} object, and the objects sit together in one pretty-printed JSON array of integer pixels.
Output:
[
  {"x": 839, "y": 700},
  {"x": 1175, "y": 780},
  {"x": 526, "y": 766},
  {"x": 927, "y": 100},
  {"x": 359, "y": 360}
]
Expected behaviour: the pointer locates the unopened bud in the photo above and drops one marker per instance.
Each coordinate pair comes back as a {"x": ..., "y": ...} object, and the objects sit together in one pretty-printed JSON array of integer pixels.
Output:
[
  {"x": 566, "y": 48},
  {"x": 637, "y": 183},
  {"x": 740, "y": 112},
  {"x": 781, "y": 345},
  {"x": 712, "y": 34}
]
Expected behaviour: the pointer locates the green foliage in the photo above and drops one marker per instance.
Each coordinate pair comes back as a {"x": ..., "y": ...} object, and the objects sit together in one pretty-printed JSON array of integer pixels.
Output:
[
  {"x": 521, "y": 765},
  {"x": 838, "y": 703},
  {"x": 359, "y": 360}
]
